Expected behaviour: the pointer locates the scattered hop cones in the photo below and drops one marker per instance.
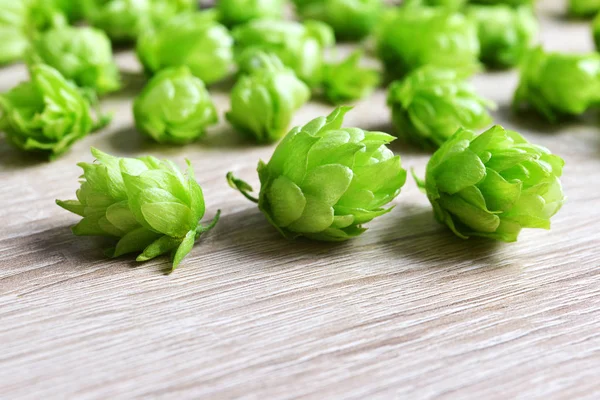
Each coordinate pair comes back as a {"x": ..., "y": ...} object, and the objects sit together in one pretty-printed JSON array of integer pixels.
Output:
[
  {"x": 324, "y": 181},
  {"x": 145, "y": 203},
  {"x": 174, "y": 107},
  {"x": 430, "y": 104},
  {"x": 46, "y": 115},
  {"x": 264, "y": 101},
  {"x": 494, "y": 184}
]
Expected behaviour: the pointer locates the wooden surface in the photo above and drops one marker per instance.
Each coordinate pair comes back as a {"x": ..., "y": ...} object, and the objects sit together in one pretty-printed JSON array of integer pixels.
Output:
[{"x": 405, "y": 311}]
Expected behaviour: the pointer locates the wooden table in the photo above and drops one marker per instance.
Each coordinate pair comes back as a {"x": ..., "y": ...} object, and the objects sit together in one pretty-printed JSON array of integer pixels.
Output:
[{"x": 405, "y": 311}]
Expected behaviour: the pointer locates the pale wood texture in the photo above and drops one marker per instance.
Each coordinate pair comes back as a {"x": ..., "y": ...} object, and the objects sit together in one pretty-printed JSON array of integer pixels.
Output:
[{"x": 405, "y": 311}]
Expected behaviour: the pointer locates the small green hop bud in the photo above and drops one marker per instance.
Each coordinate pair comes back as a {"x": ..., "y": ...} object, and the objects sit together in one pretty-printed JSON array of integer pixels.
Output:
[
  {"x": 194, "y": 40},
  {"x": 324, "y": 181},
  {"x": 505, "y": 34},
  {"x": 264, "y": 101},
  {"x": 81, "y": 54},
  {"x": 146, "y": 204},
  {"x": 298, "y": 46},
  {"x": 350, "y": 19},
  {"x": 174, "y": 107},
  {"x": 430, "y": 104},
  {"x": 445, "y": 39},
  {"x": 347, "y": 80},
  {"x": 126, "y": 20},
  {"x": 13, "y": 25},
  {"x": 236, "y": 12},
  {"x": 47, "y": 114},
  {"x": 583, "y": 8},
  {"x": 493, "y": 184},
  {"x": 558, "y": 84}
]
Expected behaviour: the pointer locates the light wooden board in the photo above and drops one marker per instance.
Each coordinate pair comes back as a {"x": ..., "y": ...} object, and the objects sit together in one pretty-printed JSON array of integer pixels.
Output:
[{"x": 405, "y": 311}]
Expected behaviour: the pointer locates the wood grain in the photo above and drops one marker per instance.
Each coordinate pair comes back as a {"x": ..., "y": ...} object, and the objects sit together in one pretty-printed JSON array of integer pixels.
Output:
[{"x": 405, "y": 311}]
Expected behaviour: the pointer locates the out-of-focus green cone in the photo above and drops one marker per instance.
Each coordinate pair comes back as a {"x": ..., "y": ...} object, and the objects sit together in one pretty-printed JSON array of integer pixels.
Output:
[
  {"x": 47, "y": 114},
  {"x": 193, "y": 40},
  {"x": 454, "y": 5},
  {"x": 82, "y": 54},
  {"x": 298, "y": 46},
  {"x": 350, "y": 19},
  {"x": 512, "y": 3},
  {"x": 557, "y": 84},
  {"x": 236, "y": 12},
  {"x": 324, "y": 182},
  {"x": 493, "y": 184},
  {"x": 506, "y": 34},
  {"x": 414, "y": 36},
  {"x": 146, "y": 204},
  {"x": 264, "y": 101},
  {"x": 583, "y": 8},
  {"x": 13, "y": 23},
  {"x": 596, "y": 31},
  {"x": 430, "y": 104},
  {"x": 347, "y": 80},
  {"x": 174, "y": 107},
  {"x": 126, "y": 20}
]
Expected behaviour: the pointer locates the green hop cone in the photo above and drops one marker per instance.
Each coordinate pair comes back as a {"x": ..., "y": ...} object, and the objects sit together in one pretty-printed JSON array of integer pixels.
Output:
[
  {"x": 264, "y": 101},
  {"x": 81, "y": 54},
  {"x": 430, "y": 104},
  {"x": 454, "y": 5},
  {"x": 13, "y": 24},
  {"x": 583, "y": 8},
  {"x": 505, "y": 34},
  {"x": 350, "y": 19},
  {"x": 236, "y": 12},
  {"x": 512, "y": 3},
  {"x": 146, "y": 204},
  {"x": 324, "y": 182},
  {"x": 174, "y": 107},
  {"x": 298, "y": 46},
  {"x": 47, "y": 114},
  {"x": 445, "y": 39},
  {"x": 194, "y": 40},
  {"x": 493, "y": 184},
  {"x": 347, "y": 80},
  {"x": 596, "y": 31},
  {"x": 557, "y": 84}
]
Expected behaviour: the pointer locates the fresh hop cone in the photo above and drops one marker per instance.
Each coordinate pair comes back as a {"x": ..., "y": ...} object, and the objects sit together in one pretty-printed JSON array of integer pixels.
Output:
[
  {"x": 558, "y": 84},
  {"x": 348, "y": 80},
  {"x": 264, "y": 101},
  {"x": 174, "y": 107},
  {"x": 148, "y": 205},
  {"x": 236, "y": 12},
  {"x": 324, "y": 181},
  {"x": 45, "y": 115},
  {"x": 430, "y": 104},
  {"x": 82, "y": 54},
  {"x": 494, "y": 184}
]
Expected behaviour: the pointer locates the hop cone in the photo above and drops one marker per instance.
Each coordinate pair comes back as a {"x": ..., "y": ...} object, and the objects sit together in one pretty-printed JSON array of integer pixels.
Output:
[
  {"x": 493, "y": 184},
  {"x": 430, "y": 104},
  {"x": 148, "y": 205},
  {"x": 264, "y": 101},
  {"x": 324, "y": 181}
]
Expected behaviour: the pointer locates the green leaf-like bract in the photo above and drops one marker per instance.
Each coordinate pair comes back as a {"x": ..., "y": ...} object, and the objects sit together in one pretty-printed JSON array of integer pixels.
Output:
[
  {"x": 558, "y": 84},
  {"x": 298, "y": 46},
  {"x": 194, "y": 40},
  {"x": 493, "y": 184},
  {"x": 236, "y": 12},
  {"x": 126, "y": 20},
  {"x": 47, "y": 114},
  {"x": 350, "y": 19},
  {"x": 347, "y": 80},
  {"x": 148, "y": 205},
  {"x": 324, "y": 182},
  {"x": 82, "y": 54},
  {"x": 583, "y": 8},
  {"x": 174, "y": 107},
  {"x": 412, "y": 36},
  {"x": 505, "y": 34},
  {"x": 263, "y": 102},
  {"x": 430, "y": 104}
]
